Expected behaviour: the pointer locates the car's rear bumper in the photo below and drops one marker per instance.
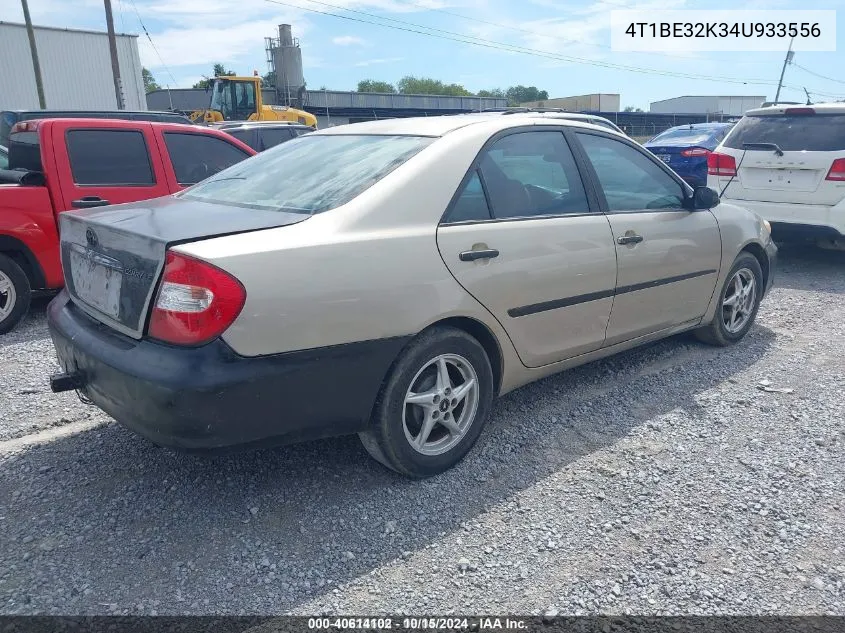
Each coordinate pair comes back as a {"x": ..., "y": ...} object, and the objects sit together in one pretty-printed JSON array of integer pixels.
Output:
[
  {"x": 211, "y": 398},
  {"x": 799, "y": 220}
]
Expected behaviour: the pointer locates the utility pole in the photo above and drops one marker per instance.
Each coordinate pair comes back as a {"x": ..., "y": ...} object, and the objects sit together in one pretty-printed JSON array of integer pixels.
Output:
[
  {"x": 789, "y": 54},
  {"x": 115, "y": 67},
  {"x": 34, "y": 52}
]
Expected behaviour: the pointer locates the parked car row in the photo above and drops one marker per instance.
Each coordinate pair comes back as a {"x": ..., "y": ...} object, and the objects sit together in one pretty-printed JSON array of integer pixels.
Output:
[
  {"x": 785, "y": 162},
  {"x": 389, "y": 279}
]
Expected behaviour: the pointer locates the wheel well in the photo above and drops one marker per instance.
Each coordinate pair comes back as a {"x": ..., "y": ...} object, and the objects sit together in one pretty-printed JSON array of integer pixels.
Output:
[
  {"x": 23, "y": 257},
  {"x": 483, "y": 335},
  {"x": 760, "y": 255}
]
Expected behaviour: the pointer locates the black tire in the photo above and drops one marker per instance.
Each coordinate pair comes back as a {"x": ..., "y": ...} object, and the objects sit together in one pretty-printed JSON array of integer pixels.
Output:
[
  {"x": 386, "y": 439},
  {"x": 22, "y": 294},
  {"x": 716, "y": 332}
]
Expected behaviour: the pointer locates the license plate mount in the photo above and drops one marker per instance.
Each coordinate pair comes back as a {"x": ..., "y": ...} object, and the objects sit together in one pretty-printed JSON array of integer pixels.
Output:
[{"x": 97, "y": 280}]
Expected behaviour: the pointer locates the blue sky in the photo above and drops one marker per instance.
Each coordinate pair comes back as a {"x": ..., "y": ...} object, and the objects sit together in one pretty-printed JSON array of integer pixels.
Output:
[{"x": 190, "y": 35}]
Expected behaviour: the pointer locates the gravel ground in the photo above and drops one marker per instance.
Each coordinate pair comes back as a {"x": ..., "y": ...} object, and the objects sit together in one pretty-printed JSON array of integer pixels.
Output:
[{"x": 660, "y": 481}]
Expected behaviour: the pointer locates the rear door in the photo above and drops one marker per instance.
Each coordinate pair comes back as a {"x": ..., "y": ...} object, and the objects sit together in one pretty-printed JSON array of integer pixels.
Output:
[
  {"x": 190, "y": 157},
  {"x": 810, "y": 142},
  {"x": 668, "y": 257},
  {"x": 106, "y": 162},
  {"x": 523, "y": 238}
]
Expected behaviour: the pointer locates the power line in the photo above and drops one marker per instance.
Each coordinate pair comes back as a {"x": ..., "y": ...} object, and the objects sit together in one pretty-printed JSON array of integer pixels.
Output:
[
  {"x": 464, "y": 39},
  {"x": 807, "y": 70},
  {"x": 538, "y": 34},
  {"x": 147, "y": 33}
]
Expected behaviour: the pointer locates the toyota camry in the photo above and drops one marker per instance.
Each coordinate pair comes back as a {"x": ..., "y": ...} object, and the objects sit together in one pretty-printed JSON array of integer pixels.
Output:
[{"x": 390, "y": 279}]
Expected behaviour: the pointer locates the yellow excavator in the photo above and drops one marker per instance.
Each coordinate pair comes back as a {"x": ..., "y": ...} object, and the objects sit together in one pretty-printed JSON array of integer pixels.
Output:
[{"x": 239, "y": 99}]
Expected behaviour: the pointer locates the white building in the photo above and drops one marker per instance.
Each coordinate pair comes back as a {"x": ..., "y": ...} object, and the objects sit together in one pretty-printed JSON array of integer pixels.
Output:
[
  {"x": 730, "y": 105},
  {"x": 604, "y": 102},
  {"x": 75, "y": 69}
]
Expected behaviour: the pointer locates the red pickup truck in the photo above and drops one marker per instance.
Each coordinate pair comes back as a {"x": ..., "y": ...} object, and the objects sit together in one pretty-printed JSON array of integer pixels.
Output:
[{"x": 58, "y": 165}]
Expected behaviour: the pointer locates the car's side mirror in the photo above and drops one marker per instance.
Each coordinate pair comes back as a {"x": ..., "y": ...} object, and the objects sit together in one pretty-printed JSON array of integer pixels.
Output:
[{"x": 704, "y": 198}]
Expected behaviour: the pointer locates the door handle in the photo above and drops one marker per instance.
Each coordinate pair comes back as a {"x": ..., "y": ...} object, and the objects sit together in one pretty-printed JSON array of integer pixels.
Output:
[
  {"x": 629, "y": 239},
  {"x": 89, "y": 202},
  {"x": 471, "y": 256}
]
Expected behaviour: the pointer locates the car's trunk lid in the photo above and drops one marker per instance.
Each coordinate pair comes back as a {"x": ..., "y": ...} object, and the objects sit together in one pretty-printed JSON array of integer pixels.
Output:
[{"x": 113, "y": 256}]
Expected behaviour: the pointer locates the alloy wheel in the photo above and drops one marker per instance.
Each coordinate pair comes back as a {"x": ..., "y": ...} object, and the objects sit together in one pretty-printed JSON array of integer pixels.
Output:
[
  {"x": 739, "y": 300},
  {"x": 7, "y": 296},
  {"x": 440, "y": 404}
]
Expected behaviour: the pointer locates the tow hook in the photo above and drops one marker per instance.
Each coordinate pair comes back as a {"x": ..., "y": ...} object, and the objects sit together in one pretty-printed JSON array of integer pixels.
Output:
[{"x": 67, "y": 381}]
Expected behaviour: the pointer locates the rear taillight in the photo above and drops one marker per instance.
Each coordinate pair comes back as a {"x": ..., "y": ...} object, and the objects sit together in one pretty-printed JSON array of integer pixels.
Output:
[
  {"x": 25, "y": 126},
  {"x": 695, "y": 151},
  {"x": 837, "y": 170},
  {"x": 196, "y": 302},
  {"x": 721, "y": 164}
]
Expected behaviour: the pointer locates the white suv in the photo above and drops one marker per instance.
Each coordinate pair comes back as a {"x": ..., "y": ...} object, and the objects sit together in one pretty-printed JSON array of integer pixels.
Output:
[{"x": 787, "y": 164}]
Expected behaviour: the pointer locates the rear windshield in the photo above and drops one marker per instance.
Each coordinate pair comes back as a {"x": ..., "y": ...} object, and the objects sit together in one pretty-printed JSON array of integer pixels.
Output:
[
  {"x": 309, "y": 174},
  {"x": 683, "y": 136},
  {"x": 25, "y": 151},
  {"x": 792, "y": 133}
]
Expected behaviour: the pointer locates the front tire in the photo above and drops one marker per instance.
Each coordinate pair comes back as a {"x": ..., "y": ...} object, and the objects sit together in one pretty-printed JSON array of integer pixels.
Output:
[
  {"x": 433, "y": 405},
  {"x": 15, "y": 294},
  {"x": 739, "y": 301}
]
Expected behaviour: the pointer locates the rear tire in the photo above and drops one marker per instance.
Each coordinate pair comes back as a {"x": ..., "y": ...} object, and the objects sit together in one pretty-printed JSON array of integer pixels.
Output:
[
  {"x": 433, "y": 405},
  {"x": 739, "y": 300},
  {"x": 15, "y": 294}
]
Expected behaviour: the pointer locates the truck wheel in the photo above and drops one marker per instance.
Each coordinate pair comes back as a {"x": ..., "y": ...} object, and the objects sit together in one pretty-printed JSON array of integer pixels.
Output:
[{"x": 15, "y": 294}]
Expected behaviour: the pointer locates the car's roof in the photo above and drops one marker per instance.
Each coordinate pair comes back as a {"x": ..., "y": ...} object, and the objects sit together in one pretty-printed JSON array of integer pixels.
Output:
[
  {"x": 821, "y": 108},
  {"x": 443, "y": 124},
  {"x": 712, "y": 125}
]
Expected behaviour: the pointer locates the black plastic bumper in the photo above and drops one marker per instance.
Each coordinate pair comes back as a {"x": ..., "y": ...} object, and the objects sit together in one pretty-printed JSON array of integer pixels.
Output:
[
  {"x": 210, "y": 397},
  {"x": 788, "y": 231}
]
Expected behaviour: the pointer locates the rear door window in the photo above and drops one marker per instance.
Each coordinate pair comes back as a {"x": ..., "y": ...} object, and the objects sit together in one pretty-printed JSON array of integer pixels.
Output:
[
  {"x": 109, "y": 157},
  {"x": 246, "y": 136},
  {"x": 195, "y": 157},
  {"x": 791, "y": 132},
  {"x": 532, "y": 174},
  {"x": 270, "y": 137}
]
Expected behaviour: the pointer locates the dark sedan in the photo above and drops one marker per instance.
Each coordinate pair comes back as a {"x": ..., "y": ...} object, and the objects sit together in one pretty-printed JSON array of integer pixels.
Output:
[{"x": 685, "y": 148}]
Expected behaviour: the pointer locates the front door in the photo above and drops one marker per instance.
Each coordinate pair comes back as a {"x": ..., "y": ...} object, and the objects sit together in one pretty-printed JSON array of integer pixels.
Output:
[
  {"x": 522, "y": 238},
  {"x": 668, "y": 256}
]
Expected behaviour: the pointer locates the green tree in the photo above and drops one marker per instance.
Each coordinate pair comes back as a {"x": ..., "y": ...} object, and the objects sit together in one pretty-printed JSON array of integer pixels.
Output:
[
  {"x": 268, "y": 80},
  {"x": 410, "y": 85},
  {"x": 372, "y": 85},
  {"x": 524, "y": 94},
  {"x": 150, "y": 83},
  {"x": 632, "y": 109},
  {"x": 219, "y": 71},
  {"x": 496, "y": 93}
]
